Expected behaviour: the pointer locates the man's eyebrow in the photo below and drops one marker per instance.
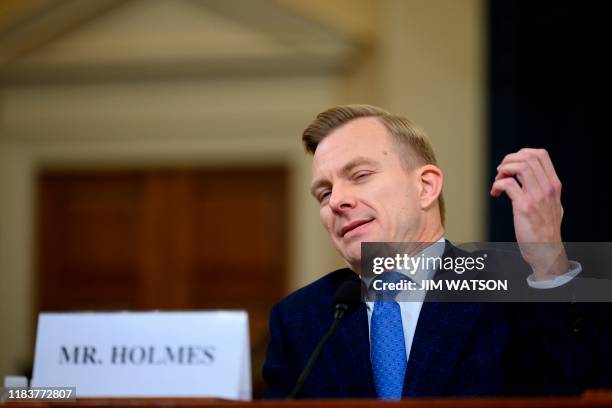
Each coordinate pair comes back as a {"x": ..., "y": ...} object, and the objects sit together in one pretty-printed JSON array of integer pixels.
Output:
[
  {"x": 346, "y": 169},
  {"x": 316, "y": 185},
  {"x": 356, "y": 162}
]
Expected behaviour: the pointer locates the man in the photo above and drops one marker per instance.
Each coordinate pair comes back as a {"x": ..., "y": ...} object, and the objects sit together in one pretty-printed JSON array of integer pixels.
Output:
[{"x": 376, "y": 180}]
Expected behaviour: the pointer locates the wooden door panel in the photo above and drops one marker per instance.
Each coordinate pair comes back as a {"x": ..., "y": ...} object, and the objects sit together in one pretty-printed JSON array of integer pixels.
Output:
[{"x": 87, "y": 240}]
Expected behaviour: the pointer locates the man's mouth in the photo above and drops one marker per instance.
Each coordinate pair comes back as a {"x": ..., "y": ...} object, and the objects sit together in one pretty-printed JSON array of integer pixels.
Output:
[{"x": 353, "y": 225}]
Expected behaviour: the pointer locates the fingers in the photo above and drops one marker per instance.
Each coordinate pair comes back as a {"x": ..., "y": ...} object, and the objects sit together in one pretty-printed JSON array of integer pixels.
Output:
[
  {"x": 508, "y": 185},
  {"x": 526, "y": 175},
  {"x": 536, "y": 201},
  {"x": 541, "y": 164}
]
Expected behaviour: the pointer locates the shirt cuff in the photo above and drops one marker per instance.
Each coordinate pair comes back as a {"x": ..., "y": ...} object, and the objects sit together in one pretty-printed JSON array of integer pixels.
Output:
[{"x": 574, "y": 270}]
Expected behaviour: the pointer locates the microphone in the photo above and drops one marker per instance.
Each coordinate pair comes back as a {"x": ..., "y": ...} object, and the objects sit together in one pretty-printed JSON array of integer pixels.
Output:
[{"x": 347, "y": 297}]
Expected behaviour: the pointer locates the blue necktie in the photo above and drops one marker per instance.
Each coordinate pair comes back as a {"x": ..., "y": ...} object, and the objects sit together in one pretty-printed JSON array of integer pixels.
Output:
[{"x": 388, "y": 348}]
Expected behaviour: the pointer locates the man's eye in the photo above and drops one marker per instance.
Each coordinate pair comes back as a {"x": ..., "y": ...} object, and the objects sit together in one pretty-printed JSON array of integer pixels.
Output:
[
  {"x": 323, "y": 196},
  {"x": 361, "y": 175}
]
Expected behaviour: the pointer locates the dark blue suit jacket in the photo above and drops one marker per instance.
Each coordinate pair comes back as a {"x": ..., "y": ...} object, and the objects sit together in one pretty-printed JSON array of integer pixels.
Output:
[{"x": 459, "y": 349}]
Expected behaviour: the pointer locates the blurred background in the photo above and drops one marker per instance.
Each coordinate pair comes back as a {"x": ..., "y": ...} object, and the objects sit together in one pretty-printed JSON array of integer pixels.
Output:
[{"x": 150, "y": 153}]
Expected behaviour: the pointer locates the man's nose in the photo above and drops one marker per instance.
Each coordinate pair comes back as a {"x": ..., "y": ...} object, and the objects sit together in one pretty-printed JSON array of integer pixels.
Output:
[{"x": 341, "y": 199}]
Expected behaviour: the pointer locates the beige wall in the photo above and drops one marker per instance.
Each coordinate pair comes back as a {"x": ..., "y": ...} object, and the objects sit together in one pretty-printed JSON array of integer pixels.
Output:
[
  {"x": 425, "y": 61},
  {"x": 437, "y": 80}
]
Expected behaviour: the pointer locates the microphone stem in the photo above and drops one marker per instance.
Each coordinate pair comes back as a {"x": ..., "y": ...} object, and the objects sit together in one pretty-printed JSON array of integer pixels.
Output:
[{"x": 315, "y": 354}]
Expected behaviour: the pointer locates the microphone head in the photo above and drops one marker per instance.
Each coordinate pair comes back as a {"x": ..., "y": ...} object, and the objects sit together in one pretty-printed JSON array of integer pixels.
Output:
[{"x": 348, "y": 295}]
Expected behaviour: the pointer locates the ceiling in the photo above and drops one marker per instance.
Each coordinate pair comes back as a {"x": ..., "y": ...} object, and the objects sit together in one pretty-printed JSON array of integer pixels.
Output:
[{"x": 70, "y": 40}]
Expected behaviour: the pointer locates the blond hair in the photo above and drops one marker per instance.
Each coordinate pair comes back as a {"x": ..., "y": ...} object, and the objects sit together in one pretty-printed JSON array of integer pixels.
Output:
[{"x": 418, "y": 148}]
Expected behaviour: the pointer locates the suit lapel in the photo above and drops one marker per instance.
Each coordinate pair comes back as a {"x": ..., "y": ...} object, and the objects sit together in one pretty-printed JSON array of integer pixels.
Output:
[
  {"x": 440, "y": 336},
  {"x": 349, "y": 356},
  {"x": 346, "y": 357}
]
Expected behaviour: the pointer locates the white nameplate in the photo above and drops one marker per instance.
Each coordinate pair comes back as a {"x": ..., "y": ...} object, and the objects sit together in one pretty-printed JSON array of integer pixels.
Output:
[{"x": 148, "y": 354}]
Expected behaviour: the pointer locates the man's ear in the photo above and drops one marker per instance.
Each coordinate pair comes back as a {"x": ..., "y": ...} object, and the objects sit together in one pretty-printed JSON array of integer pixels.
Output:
[{"x": 431, "y": 180}]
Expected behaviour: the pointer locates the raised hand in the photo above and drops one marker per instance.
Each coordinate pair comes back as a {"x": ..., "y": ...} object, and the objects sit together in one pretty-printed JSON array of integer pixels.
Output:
[{"x": 529, "y": 179}]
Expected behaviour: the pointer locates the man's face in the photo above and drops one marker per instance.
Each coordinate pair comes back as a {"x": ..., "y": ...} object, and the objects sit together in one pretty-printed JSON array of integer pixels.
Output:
[{"x": 364, "y": 191}]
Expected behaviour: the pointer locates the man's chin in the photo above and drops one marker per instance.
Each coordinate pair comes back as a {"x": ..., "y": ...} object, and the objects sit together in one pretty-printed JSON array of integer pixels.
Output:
[
  {"x": 351, "y": 253},
  {"x": 353, "y": 260}
]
